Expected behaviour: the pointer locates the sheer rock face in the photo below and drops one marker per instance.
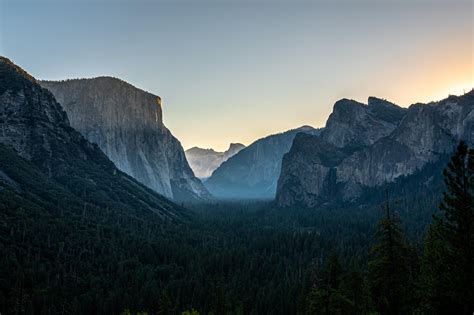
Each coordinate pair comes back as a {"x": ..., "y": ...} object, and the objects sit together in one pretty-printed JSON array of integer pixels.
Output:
[
  {"x": 353, "y": 124},
  {"x": 371, "y": 145},
  {"x": 308, "y": 171},
  {"x": 126, "y": 123},
  {"x": 37, "y": 128},
  {"x": 204, "y": 161},
  {"x": 254, "y": 171}
]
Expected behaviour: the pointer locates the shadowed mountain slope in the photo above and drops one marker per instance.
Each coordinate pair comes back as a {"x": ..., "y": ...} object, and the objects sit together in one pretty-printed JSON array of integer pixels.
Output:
[
  {"x": 126, "y": 123},
  {"x": 36, "y": 128}
]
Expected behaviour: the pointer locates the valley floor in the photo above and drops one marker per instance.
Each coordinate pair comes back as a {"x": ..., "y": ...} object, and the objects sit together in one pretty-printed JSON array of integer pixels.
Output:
[{"x": 233, "y": 257}]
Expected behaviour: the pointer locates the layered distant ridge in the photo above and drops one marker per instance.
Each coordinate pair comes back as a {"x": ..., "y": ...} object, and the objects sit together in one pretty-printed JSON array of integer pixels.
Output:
[
  {"x": 253, "y": 172},
  {"x": 204, "y": 161}
]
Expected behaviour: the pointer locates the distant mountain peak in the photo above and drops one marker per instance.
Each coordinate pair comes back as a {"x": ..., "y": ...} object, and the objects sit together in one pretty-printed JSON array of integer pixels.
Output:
[
  {"x": 197, "y": 151},
  {"x": 235, "y": 146},
  {"x": 204, "y": 161}
]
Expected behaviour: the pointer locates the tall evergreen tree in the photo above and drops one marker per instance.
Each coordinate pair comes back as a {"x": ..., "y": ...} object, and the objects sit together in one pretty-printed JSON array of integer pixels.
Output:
[
  {"x": 326, "y": 295},
  {"x": 434, "y": 279},
  {"x": 447, "y": 279},
  {"x": 389, "y": 268}
]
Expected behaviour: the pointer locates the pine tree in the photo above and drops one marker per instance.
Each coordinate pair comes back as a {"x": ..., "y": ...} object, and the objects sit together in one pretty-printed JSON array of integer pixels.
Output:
[
  {"x": 434, "y": 278},
  {"x": 326, "y": 296},
  {"x": 389, "y": 268},
  {"x": 447, "y": 279}
]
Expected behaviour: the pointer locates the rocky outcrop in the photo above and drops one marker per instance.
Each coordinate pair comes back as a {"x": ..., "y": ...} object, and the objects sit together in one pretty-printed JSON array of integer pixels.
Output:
[
  {"x": 126, "y": 123},
  {"x": 254, "y": 171},
  {"x": 36, "y": 128},
  {"x": 353, "y": 124},
  {"x": 204, "y": 161},
  {"x": 310, "y": 164},
  {"x": 371, "y": 145}
]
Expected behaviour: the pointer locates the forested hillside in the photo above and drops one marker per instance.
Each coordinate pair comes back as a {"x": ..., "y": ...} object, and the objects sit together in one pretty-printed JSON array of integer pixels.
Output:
[
  {"x": 231, "y": 258},
  {"x": 78, "y": 236}
]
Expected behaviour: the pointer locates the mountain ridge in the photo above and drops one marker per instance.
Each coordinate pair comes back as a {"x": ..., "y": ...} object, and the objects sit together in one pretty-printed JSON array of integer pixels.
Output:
[
  {"x": 370, "y": 157},
  {"x": 127, "y": 124},
  {"x": 36, "y": 128}
]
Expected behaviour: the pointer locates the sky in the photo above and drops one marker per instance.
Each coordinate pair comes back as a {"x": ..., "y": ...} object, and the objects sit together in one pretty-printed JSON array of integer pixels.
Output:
[{"x": 235, "y": 71}]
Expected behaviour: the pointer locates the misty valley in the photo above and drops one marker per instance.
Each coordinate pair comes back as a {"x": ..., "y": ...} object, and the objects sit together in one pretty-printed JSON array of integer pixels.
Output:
[
  {"x": 236, "y": 157},
  {"x": 102, "y": 211}
]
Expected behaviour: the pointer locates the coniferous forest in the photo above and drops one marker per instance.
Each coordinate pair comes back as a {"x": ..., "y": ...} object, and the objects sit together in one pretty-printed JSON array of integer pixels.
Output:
[
  {"x": 236, "y": 157},
  {"x": 408, "y": 250}
]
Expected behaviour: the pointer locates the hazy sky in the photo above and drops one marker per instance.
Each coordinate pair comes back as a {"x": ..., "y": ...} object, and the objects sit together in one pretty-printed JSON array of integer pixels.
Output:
[{"x": 234, "y": 71}]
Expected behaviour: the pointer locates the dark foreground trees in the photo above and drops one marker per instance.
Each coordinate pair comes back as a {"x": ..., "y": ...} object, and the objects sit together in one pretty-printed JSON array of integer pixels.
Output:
[
  {"x": 336, "y": 290},
  {"x": 444, "y": 282},
  {"x": 447, "y": 281},
  {"x": 241, "y": 258},
  {"x": 391, "y": 271}
]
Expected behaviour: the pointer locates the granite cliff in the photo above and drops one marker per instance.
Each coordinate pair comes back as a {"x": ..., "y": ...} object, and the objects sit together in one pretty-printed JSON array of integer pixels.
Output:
[
  {"x": 126, "y": 123},
  {"x": 353, "y": 124},
  {"x": 364, "y": 146},
  {"x": 50, "y": 165}
]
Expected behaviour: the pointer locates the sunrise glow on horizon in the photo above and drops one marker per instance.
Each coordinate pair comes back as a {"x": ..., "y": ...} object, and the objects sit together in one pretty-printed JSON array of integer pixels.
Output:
[{"x": 244, "y": 70}]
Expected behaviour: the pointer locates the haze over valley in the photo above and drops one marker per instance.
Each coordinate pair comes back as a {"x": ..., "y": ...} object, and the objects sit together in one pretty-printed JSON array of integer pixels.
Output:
[{"x": 236, "y": 157}]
